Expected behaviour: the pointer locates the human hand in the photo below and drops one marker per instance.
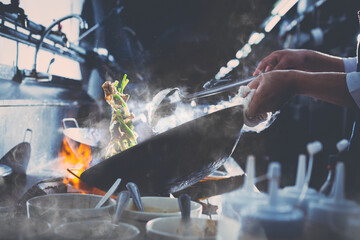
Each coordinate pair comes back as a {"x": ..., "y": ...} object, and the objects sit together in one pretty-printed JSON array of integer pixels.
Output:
[
  {"x": 283, "y": 59},
  {"x": 273, "y": 89}
]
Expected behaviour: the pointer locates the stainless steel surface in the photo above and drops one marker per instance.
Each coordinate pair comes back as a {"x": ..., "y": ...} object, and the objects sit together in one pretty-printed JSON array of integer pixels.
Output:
[
  {"x": 108, "y": 193},
  {"x": 41, "y": 108},
  {"x": 88, "y": 136},
  {"x": 215, "y": 90},
  {"x": 75, "y": 52},
  {"x": 121, "y": 203},
  {"x": 135, "y": 194},
  {"x": 5, "y": 172},
  {"x": 47, "y": 31},
  {"x": 184, "y": 205}
]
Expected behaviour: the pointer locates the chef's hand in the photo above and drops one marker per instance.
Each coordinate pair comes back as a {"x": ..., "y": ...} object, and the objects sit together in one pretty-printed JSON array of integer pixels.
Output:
[
  {"x": 300, "y": 59},
  {"x": 283, "y": 59},
  {"x": 273, "y": 89}
]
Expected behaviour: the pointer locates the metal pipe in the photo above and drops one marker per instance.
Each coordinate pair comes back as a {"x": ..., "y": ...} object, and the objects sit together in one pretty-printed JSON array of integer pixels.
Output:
[
  {"x": 35, "y": 29},
  {"x": 29, "y": 40},
  {"x": 47, "y": 31},
  {"x": 96, "y": 26}
]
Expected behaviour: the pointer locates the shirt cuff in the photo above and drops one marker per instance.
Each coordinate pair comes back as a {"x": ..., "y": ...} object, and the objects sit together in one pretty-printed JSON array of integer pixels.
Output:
[
  {"x": 350, "y": 64},
  {"x": 353, "y": 84}
]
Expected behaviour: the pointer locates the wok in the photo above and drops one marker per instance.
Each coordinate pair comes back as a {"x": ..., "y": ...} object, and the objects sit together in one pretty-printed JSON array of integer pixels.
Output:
[
  {"x": 86, "y": 136},
  {"x": 18, "y": 157},
  {"x": 175, "y": 159}
]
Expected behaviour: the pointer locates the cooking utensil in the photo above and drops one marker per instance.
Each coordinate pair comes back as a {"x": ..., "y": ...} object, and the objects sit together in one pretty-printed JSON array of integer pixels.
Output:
[
  {"x": 95, "y": 230},
  {"x": 121, "y": 203},
  {"x": 86, "y": 136},
  {"x": 163, "y": 105},
  {"x": 202, "y": 229},
  {"x": 23, "y": 228},
  {"x": 135, "y": 194},
  {"x": 155, "y": 207},
  {"x": 18, "y": 157},
  {"x": 68, "y": 207},
  {"x": 108, "y": 193},
  {"x": 175, "y": 159},
  {"x": 184, "y": 205}
]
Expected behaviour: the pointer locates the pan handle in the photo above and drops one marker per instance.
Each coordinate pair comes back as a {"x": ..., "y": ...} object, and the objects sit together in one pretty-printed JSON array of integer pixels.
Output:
[
  {"x": 28, "y": 134},
  {"x": 69, "y": 120}
]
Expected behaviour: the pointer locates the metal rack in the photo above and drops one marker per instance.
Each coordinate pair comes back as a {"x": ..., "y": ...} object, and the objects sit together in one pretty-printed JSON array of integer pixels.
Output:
[
  {"x": 15, "y": 25},
  {"x": 29, "y": 33}
]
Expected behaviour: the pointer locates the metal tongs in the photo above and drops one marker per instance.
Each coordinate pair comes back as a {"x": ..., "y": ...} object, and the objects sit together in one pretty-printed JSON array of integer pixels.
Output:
[
  {"x": 163, "y": 105},
  {"x": 211, "y": 91}
]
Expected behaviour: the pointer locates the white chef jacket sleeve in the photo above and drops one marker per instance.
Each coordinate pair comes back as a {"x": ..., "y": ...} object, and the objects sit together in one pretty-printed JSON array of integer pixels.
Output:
[
  {"x": 349, "y": 64},
  {"x": 353, "y": 84}
]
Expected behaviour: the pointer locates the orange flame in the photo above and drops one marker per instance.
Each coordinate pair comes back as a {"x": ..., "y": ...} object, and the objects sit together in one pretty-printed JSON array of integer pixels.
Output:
[{"x": 75, "y": 156}]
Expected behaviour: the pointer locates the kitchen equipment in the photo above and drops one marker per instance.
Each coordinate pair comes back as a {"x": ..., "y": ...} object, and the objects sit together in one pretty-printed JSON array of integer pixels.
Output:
[
  {"x": 60, "y": 208},
  {"x": 155, "y": 207},
  {"x": 108, "y": 193},
  {"x": 184, "y": 205},
  {"x": 312, "y": 148},
  {"x": 291, "y": 194},
  {"x": 233, "y": 202},
  {"x": 168, "y": 229},
  {"x": 7, "y": 212},
  {"x": 23, "y": 228},
  {"x": 88, "y": 136},
  {"x": 275, "y": 219},
  {"x": 18, "y": 157},
  {"x": 5, "y": 174},
  {"x": 329, "y": 216},
  {"x": 175, "y": 159},
  {"x": 100, "y": 229},
  {"x": 121, "y": 203},
  {"x": 96, "y": 229},
  {"x": 163, "y": 103},
  {"x": 135, "y": 195}
]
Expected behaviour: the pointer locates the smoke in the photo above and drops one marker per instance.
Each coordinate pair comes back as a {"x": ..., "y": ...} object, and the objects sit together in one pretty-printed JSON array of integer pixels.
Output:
[{"x": 184, "y": 112}]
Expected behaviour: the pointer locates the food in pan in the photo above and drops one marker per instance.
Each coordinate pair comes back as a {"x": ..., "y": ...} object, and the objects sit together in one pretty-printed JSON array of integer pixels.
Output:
[{"x": 121, "y": 127}]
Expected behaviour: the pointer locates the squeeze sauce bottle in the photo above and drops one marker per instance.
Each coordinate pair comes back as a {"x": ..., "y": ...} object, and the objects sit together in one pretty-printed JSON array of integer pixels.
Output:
[
  {"x": 329, "y": 216},
  {"x": 291, "y": 194},
  {"x": 234, "y": 201},
  {"x": 273, "y": 219}
]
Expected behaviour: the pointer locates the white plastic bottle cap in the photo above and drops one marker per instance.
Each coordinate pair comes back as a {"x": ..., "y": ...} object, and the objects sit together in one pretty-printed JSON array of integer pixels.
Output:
[
  {"x": 276, "y": 218},
  {"x": 314, "y": 147},
  {"x": 342, "y": 145}
]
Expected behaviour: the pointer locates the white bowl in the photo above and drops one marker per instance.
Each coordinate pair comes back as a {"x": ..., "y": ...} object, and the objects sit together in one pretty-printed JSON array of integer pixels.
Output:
[
  {"x": 24, "y": 228},
  {"x": 60, "y": 208},
  {"x": 171, "y": 229},
  {"x": 155, "y": 207},
  {"x": 96, "y": 229}
]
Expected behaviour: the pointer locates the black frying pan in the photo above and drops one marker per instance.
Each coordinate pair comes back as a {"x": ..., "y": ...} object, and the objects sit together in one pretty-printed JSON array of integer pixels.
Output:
[{"x": 175, "y": 159}]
